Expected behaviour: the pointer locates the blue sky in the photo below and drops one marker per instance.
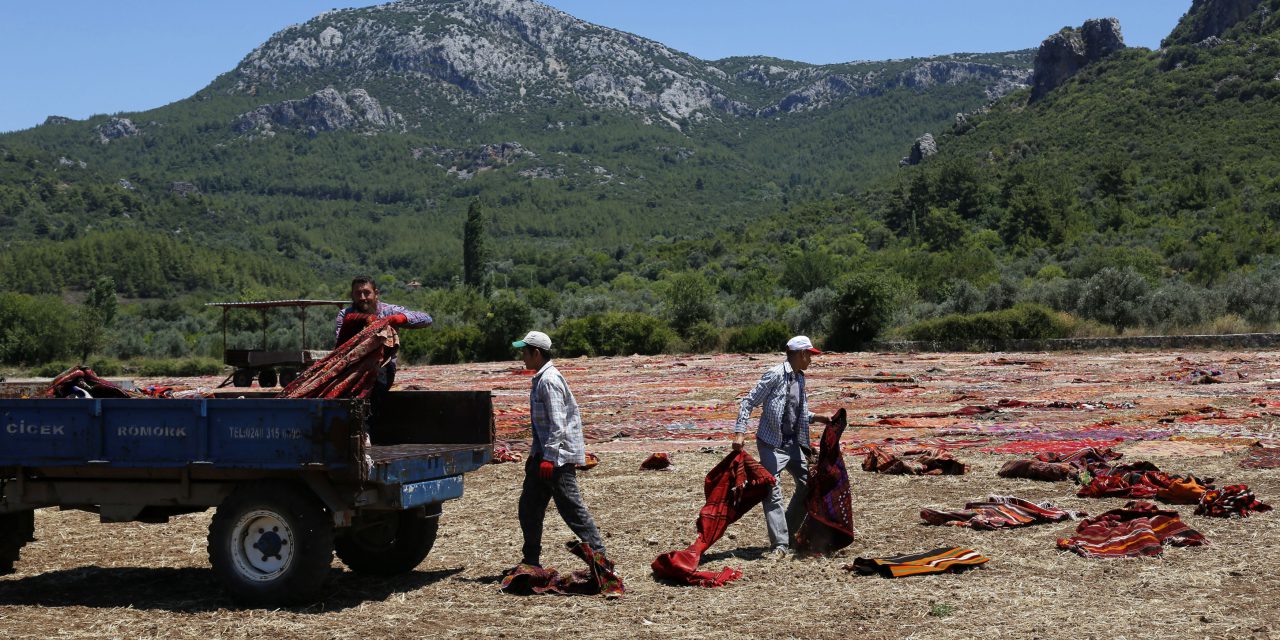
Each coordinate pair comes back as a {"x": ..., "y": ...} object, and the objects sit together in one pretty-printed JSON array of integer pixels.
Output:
[{"x": 77, "y": 58}]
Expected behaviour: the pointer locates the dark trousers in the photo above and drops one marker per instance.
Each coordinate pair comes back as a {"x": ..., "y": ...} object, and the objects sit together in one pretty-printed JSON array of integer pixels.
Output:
[
  {"x": 563, "y": 488},
  {"x": 381, "y": 387}
]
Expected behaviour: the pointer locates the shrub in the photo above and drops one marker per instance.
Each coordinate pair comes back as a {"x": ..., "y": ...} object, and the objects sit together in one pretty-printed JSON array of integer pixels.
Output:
[
  {"x": 813, "y": 315},
  {"x": 447, "y": 345},
  {"x": 1022, "y": 322},
  {"x": 703, "y": 337},
  {"x": 766, "y": 337},
  {"x": 507, "y": 320},
  {"x": 170, "y": 368},
  {"x": 963, "y": 298},
  {"x": 168, "y": 343},
  {"x": 1114, "y": 296},
  {"x": 1180, "y": 304},
  {"x": 33, "y": 329},
  {"x": 1255, "y": 295},
  {"x": 690, "y": 300},
  {"x": 864, "y": 307},
  {"x": 612, "y": 334},
  {"x": 101, "y": 366}
]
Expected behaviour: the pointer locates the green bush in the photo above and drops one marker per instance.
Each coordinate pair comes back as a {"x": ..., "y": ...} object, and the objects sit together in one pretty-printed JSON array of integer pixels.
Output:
[
  {"x": 766, "y": 337},
  {"x": 612, "y": 334},
  {"x": 703, "y": 337},
  {"x": 507, "y": 319},
  {"x": 34, "y": 329},
  {"x": 690, "y": 299},
  {"x": 1022, "y": 322},
  {"x": 174, "y": 368},
  {"x": 864, "y": 307},
  {"x": 447, "y": 345}
]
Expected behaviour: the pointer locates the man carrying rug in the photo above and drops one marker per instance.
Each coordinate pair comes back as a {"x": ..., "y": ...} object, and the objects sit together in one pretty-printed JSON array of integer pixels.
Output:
[
  {"x": 782, "y": 438},
  {"x": 549, "y": 473}
]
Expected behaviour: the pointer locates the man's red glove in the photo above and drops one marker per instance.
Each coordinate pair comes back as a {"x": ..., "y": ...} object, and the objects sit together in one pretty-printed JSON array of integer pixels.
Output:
[
  {"x": 398, "y": 319},
  {"x": 546, "y": 469},
  {"x": 355, "y": 316}
]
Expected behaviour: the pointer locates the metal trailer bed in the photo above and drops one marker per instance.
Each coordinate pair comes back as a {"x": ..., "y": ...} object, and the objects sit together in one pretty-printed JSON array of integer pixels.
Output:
[{"x": 313, "y": 468}]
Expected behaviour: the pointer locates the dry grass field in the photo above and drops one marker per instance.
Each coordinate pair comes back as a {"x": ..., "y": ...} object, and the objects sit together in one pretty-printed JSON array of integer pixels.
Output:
[{"x": 85, "y": 579}]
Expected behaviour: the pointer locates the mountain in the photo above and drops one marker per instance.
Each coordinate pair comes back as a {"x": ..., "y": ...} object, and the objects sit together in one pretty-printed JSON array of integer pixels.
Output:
[
  {"x": 1130, "y": 187},
  {"x": 356, "y": 140}
]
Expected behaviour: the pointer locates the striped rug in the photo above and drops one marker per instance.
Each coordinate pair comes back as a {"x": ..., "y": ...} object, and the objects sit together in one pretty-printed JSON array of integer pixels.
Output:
[
  {"x": 1139, "y": 529},
  {"x": 998, "y": 512},
  {"x": 942, "y": 560}
]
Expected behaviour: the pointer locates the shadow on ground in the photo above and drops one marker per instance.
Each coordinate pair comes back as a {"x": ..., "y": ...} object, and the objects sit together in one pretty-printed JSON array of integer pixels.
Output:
[{"x": 190, "y": 589}]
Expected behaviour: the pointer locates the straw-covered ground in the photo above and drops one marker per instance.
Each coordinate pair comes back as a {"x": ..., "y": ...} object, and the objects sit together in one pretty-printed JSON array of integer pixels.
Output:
[{"x": 85, "y": 579}]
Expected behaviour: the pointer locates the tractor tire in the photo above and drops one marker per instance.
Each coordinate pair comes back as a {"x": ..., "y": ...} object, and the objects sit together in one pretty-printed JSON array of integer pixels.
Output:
[
  {"x": 287, "y": 376},
  {"x": 271, "y": 544},
  {"x": 16, "y": 530},
  {"x": 388, "y": 544},
  {"x": 243, "y": 378},
  {"x": 267, "y": 378}
]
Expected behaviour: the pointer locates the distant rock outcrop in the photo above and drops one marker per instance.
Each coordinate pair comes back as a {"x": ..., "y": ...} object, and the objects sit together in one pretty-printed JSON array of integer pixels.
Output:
[
  {"x": 465, "y": 163},
  {"x": 924, "y": 147},
  {"x": 116, "y": 128},
  {"x": 57, "y": 120},
  {"x": 183, "y": 189},
  {"x": 324, "y": 110},
  {"x": 1210, "y": 19},
  {"x": 1065, "y": 53}
]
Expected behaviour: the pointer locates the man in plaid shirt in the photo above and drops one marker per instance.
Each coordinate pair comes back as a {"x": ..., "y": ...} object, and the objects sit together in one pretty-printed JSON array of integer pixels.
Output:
[
  {"x": 782, "y": 438},
  {"x": 365, "y": 307},
  {"x": 549, "y": 473}
]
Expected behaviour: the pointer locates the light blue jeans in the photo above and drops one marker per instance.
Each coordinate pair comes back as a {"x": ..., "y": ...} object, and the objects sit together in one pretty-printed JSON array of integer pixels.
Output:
[{"x": 783, "y": 525}]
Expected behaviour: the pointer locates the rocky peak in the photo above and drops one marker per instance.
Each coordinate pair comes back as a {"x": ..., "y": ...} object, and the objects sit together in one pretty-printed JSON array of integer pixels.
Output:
[
  {"x": 505, "y": 56},
  {"x": 116, "y": 128},
  {"x": 1065, "y": 53},
  {"x": 1210, "y": 19},
  {"x": 324, "y": 110}
]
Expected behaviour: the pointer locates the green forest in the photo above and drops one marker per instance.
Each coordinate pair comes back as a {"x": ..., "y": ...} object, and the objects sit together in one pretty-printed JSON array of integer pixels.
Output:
[{"x": 1142, "y": 197}]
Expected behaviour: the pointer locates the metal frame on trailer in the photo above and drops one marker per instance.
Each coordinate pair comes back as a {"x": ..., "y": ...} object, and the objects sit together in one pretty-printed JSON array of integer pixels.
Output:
[{"x": 263, "y": 306}]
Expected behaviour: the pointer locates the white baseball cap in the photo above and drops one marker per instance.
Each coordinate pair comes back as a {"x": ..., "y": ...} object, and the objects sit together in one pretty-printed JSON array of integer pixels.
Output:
[
  {"x": 801, "y": 343},
  {"x": 534, "y": 339}
]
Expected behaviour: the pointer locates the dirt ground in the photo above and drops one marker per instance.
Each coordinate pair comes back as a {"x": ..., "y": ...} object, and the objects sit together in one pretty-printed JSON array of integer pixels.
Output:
[{"x": 85, "y": 579}]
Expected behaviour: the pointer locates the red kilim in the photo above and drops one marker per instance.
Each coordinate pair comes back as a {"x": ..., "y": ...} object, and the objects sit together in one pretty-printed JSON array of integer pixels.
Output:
[{"x": 732, "y": 488}]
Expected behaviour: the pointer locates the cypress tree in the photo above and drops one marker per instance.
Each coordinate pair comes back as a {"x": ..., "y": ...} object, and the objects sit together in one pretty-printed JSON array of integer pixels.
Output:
[{"x": 474, "y": 251}]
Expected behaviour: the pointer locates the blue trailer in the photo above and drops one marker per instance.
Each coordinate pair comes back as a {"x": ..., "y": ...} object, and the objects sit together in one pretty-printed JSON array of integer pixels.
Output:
[{"x": 292, "y": 481}]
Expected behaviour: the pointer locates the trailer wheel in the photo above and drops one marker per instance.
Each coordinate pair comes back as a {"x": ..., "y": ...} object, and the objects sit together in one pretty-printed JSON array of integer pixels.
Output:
[
  {"x": 388, "y": 544},
  {"x": 16, "y": 530},
  {"x": 271, "y": 544},
  {"x": 242, "y": 378},
  {"x": 267, "y": 378},
  {"x": 287, "y": 376}
]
